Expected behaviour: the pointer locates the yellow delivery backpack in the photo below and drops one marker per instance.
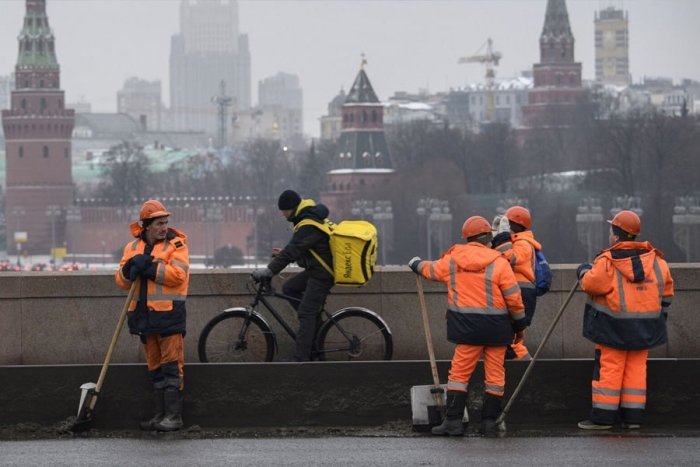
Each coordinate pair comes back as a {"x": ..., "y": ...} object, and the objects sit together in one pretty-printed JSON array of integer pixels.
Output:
[{"x": 354, "y": 248}]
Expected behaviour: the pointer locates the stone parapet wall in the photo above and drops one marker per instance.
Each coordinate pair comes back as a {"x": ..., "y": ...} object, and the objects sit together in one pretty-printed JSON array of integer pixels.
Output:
[{"x": 69, "y": 318}]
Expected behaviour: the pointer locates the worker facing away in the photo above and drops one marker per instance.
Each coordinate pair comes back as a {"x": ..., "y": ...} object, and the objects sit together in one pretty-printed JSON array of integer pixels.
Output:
[
  {"x": 484, "y": 312},
  {"x": 312, "y": 285},
  {"x": 159, "y": 258},
  {"x": 516, "y": 242},
  {"x": 629, "y": 289}
]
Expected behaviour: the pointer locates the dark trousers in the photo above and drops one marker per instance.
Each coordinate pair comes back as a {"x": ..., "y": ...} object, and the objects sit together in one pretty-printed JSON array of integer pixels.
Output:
[{"x": 312, "y": 292}]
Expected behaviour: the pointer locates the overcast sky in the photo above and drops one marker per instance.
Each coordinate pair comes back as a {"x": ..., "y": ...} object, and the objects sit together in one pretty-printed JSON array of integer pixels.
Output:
[{"x": 409, "y": 44}]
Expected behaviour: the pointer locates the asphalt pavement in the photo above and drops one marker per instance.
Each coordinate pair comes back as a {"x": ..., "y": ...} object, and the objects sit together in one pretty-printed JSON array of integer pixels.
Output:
[{"x": 618, "y": 450}]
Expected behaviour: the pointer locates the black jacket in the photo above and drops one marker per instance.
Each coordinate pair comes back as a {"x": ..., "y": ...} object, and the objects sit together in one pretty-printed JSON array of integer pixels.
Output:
[{"x": 305, "y": 238}]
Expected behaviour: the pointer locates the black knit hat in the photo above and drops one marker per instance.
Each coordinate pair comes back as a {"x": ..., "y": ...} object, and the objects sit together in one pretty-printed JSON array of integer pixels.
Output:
[{"x": 289, "y": 199}]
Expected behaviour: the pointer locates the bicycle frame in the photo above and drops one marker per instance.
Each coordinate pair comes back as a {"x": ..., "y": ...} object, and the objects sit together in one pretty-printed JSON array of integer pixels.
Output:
[{"x": 265, "y": 289}]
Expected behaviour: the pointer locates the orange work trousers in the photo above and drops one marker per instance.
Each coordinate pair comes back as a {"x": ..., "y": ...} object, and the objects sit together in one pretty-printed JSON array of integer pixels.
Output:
[
  {"x": 619, "y": 385},
  {"x": 165, "y": 357},
  {"x": 464, "y": 361}
]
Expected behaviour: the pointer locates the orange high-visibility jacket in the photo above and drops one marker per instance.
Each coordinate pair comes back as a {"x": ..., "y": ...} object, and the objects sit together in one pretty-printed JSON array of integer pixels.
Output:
[
  {"x": 484, "y": 306},
  {"x": 167, "y": 291},
  {"x": 520, "y": 252},
  {"x": 629, "y": 288}
]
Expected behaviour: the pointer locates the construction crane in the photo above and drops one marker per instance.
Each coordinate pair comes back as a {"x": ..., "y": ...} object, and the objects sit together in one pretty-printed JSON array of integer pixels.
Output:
[
  {"x": 222, "y": 102},
  {"x": 490, "y": 59}
]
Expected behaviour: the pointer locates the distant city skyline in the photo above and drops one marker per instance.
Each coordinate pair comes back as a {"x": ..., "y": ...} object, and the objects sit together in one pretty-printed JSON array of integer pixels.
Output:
[{"x": 410, "y": 45}]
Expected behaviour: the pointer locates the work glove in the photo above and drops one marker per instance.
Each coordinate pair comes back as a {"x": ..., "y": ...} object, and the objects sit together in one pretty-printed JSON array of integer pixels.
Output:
[
  {"x": 138, "y": 265},
  {"x": 260, "y": 275},
  {"x": 414, "y": 263},
  {"x": 583, "y": 269},
  {"x": 503, "y": 225},
  {"x": 496, "y": 222}
]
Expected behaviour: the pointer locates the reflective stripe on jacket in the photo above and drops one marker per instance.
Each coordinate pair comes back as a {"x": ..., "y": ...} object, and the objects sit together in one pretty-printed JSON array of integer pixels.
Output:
[
  {"x": 166, "y": 291},
  {"x": 484, "y": 306},
  {"x": 629, "y": 288}
]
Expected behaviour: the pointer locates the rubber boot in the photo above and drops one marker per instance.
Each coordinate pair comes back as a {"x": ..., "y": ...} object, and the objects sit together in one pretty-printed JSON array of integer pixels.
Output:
[
  {"x": 158, "y": 404},
  {"x": 489, "y": 413},
  {"x": 172, "y": 421},
  {"x": 454, "y": 411}
]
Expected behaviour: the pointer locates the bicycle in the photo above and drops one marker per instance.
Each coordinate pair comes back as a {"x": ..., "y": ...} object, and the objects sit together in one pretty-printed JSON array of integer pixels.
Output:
[{"x": 242, "y": 334}]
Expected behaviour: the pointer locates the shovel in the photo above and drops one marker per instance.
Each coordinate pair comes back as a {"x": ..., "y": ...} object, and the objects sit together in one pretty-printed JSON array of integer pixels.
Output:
[
  {"x": 500, "y": 421},
  {"x": 427, "y": 402},
  {"x": 90, "y": 391}
]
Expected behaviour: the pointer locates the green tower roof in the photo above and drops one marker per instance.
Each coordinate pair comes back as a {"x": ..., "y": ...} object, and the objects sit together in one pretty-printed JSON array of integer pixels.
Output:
[{"x": 36, "y": 41}]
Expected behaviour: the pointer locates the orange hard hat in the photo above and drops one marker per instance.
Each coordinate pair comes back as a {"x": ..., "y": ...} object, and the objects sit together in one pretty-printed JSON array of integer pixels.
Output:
[
  {"x": 475, "y": 225},
  {"x": 627, "y": 221},
  {"x": 152, "y": 209},
  {"x": 519, "y": 215}
]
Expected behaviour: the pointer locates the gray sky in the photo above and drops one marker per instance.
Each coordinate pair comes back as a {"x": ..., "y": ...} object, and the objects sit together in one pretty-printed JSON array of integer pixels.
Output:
[{"x": 409, "y": 44}]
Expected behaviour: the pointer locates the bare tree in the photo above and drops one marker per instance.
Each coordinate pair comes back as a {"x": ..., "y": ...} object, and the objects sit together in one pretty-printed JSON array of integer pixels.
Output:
[{"x": 126, "y": 174}]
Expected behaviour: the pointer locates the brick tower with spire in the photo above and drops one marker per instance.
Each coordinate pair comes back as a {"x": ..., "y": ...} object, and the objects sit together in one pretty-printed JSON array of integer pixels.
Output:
[
  {"x": 38, "y": 128},
  {"x": 557, "y": 77},
  {"x": 361, "y": 164}
]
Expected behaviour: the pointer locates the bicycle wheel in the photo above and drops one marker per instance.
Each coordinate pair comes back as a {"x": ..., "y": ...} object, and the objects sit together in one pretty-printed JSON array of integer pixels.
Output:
[
  {"x": 236, "y": 335},
  {"x": 354, "y": 334}
]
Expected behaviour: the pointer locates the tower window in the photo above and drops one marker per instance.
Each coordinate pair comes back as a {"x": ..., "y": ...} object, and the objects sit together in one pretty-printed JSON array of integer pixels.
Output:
[
  {"x": 23, "y": 104},
  {"x": 43, "y": 99},
  {"x": 46, "y": 152},
  {"x": 21, "y": 151}
]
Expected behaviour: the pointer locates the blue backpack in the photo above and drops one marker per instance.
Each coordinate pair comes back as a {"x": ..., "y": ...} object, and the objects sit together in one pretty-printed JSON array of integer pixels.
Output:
[{"x": 543, "y": 274}]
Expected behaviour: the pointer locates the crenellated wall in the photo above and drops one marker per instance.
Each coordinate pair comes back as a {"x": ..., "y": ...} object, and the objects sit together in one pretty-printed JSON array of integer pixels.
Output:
[{"x": 66, "y": 318}]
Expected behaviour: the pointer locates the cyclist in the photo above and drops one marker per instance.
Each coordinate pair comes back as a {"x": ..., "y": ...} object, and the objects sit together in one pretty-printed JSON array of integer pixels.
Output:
[{"x": 311, "y": 286}]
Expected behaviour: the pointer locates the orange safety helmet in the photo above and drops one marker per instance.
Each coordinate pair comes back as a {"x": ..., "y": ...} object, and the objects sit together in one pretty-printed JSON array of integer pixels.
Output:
[
  {"x": 519, "y": 215},
  {"x": 627, "y": 221},
  {"x": 475, "y": 225},
  {"x": 152, "y": 209}
]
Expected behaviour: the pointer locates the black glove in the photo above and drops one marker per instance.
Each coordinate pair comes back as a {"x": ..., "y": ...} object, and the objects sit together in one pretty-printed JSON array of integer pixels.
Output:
[
  {"x": 139, "y": 264},
  {"x": 260, "y": 275},
  {"x": 583, "y": 269},
  {"x": 413, "y": 263},
  {"x": 500, "y": 239}
]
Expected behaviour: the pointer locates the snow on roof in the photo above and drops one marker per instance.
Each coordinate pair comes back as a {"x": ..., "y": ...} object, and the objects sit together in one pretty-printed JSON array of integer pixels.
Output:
[
  {"x": 360, "y": 171},
  {"x": 505, "y": 84}
]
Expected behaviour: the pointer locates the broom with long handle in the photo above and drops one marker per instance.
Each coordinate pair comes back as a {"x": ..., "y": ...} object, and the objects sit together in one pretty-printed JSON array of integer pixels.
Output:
[{"x": 510, "y": 402}]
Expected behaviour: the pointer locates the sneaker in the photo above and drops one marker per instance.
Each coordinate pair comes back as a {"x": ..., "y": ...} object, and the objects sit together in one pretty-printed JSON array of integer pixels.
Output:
[
  {"x": 631, "y": 426},
  {"x": 589, "y": 425}
]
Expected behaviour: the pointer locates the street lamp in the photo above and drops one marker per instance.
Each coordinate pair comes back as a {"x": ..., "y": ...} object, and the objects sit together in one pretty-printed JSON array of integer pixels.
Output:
[
  {"x": 686, "y": 226},
  {"x": 18, "y": 212},
  {"x": 255, "y": 212},
  {"x": 214, "y": 215},
  {"x": 589, "y": 221},
  {"x": 384, "y": 216},
  {"x": 53, "y": 212},
  {"x": 435, "y": 211}
]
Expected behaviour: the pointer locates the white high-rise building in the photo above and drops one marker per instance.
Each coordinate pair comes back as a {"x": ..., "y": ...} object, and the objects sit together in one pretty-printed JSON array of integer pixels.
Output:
[
  {"x": 612, "y": 65},
  {"x": 209, "y": 50}
]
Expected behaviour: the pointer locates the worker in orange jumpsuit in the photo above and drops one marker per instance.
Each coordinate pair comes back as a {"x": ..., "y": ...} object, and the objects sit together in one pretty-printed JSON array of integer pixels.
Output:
[
  {"x": 517, "y": 243},
  {"x": 484, "y": 310},
  {"x": 158, "y": 257},
  {"x": 629, "y": 289}
]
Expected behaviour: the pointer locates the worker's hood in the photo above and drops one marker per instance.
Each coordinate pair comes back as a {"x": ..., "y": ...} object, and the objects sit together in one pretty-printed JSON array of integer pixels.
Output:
[
  {"x": 473, "y": 256},
  {"x": 634, "y": 260}
]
